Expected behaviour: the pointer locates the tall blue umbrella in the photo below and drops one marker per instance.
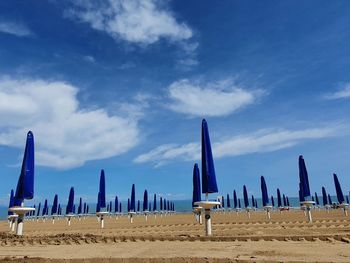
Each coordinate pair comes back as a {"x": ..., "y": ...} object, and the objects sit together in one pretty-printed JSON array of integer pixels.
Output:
[
  {"x": 239, "y": 203},
  {"x": 120, "y": 207},
  {"x": 287, "y": 201},
  {"x": 196, "y": 195},
  {"x": 208, "y": 171},
  {"x": 132, "y": 200},
  {"x": 80, "y": 207},
  {"x": 145, "y": 201},
  {"x": 223, "y": 201},
  {"x": 102, "y": 191},
  {"x": 110, "y": 206},
  {"x": 234, "y": 199},
  {"x": 116, "y": 206},
  {"x": 87, "y": 209},
  {"x": 38, "y": 212},
  {"x": 54, "y": 208},
  {"x": 25, "y": 185},
  {"x": 284, "y": 200},
  {"x": 329, "y": 199},
  {"x": 304, "y": 179},
  {"x": 253, "y": 201},
  {"x": 228, "y": 202},
  {"x": 279, "y": 199},
  {"x": 44, "y": 208},
  {"x": 316, "y": 199},
  {"x": 324, "y": 196},
  {"x": 161, "y": 204},
  {"x": 11, "y": 202},
  {"x": 340, "y": 195},
  {"x": 272, "y": 201},
  {"x": 69, "y": 208},
  {"x": 164, "y": 204},
  {"x": 245, "y": 196},
  {"x": 265, "y": 197},
  {"x": 138, "y": 205}
]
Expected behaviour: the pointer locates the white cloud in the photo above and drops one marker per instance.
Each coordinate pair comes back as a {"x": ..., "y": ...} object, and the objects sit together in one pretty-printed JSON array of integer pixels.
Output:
[
  {"x": 16, "y": 29},
  {"x": 66, "y": 135},
  {"x": 259, "y": 142},
  {"x": 340, "y": 94},
  {"x": 212, "y": 99},
  {"x": 137, "y": 21},
  {"x": 90, "y": 59}
]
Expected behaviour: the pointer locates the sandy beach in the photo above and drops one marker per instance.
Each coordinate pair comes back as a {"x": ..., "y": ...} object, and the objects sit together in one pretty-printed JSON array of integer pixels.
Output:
[{"x": 179, "y": 238}]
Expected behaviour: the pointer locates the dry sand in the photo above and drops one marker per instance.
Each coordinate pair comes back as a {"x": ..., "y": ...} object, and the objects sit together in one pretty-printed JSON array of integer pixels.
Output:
[{"x": 287, "y": 237}]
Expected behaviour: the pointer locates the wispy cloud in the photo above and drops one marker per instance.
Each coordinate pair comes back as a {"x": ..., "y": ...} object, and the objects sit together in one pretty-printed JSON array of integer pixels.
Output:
[
  {"x": 211, "y": 99},
  {"x": 66, "y": 135},
  {"x": 89, "y": 58},
  {"x": 258, "y": 142},
  {"x": 138, "y": 21},
  {"x": 342, "y": 93},
  {"x": 15, "y": 28}
]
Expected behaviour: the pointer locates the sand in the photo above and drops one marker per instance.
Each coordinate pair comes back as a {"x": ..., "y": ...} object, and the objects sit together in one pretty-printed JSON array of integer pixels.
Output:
[{"x": 287, "y": 237}]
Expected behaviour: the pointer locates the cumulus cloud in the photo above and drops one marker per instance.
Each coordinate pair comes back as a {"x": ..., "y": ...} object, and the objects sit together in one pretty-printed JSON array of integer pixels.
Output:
[
  {"x": 66, "y": 135},
  {"x": 138, "y": 21},
  {"x": 343, "y": 93},
  {"x": 212, "y": 99},
  {"x": 259, "y": 142},
  {"x": 14, "y": 28}
]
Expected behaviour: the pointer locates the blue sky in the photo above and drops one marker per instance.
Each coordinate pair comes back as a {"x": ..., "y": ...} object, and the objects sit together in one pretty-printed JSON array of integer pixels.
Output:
[{"x": 123, "y": 86}]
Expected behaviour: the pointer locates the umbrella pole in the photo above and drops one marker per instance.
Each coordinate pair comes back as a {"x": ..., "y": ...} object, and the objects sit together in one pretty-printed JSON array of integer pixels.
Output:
[
  {"x": 19, "y": 229},
  {"x": 102, "y": 222},
  {"x": 13, "y": 225},
  {"x": 207, "y": 222},
  {"x": 309, "y": 216},
  {"x": 345, "y": 212}
]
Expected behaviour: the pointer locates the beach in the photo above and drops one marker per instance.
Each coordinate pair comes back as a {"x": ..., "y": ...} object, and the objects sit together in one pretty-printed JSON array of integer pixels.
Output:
[{"x": 287, "y": 237}]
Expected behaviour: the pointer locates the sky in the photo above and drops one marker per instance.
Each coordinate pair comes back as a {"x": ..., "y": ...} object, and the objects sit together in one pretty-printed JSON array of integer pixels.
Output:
[{"x": 123, "y": 85}]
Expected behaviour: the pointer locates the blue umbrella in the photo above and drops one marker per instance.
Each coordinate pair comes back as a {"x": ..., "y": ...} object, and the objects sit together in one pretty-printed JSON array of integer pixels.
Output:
[
  {"x": 69, "y": 208},
  {"x": 145, "y": 201},
  {"x": 102, "y": 197},
  {"x": 164, "y": 204},
  {"x": 196, "y": 195},
  {"x": 110, "y": 206},
  {"x": 54, "y": 205},
  {"x": 228, "y": 201},
  {"x": 304, "y": 179},
  {"x": 316, "y": 198},
  {"x": 234, "y": 199},
  {"x": 74, "y": 209},
  {"x": 279, "y": 199},
  {"x": 239, "y": 203},
  {"x": 80, "y": 207},
  {"x": 132, "y": 200},
  {"x": 87, "y": 209},
  {"x": 222, "y": 202},
  {"x": 120, "y": 207},
  {"x": 245, "y": 196},
  {"x": 150, "y": 206},
  {"x": 208, "y": 171},
  {"x": 128, "y": 205},
  {"x": 161, "y": 204},
  {"x": 38, "y": 212},
  {"x": 155, "y": 203},
  {"x": 324, "y": 196},
  {"x": 84, "y": 208},
  {"x": 138, "y": 205},
  {"x": 284, "y": 200},
  {"x": 11, "y": 202},
  {"x": 44, "y": 208},
  {"x": 253, "y": 201},
  {"x": 340, "y": 195},
  {"x": 272, "y": 201},
  {"x": 107, "y": 207},
  {"x": 116, "y": 204},
  {"x": 287, "y": 201},
  {"x": 265, "y": 197},
  {"x": 329, "y": 199},
  {"x": 25, "y": 185}
]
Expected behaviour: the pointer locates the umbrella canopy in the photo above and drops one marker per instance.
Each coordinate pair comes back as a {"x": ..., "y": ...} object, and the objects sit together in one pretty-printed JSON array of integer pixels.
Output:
[
  {"x": 253, "y": 201},
  {"x": 208, "y": 171},
  {"x": 316, "y": 199},
  {"x": 120, "y": 207},
  {"x": 155, "y": 202},
  {"x": 324, "y": 196},
  {"x": 245, "y": 196},
  {"x": 304, "y": 179},
  {"x": 138, "y": 205},
  {"x": 145, "y": 201},
  {"x": 329, "y": 199},
  {"x": 223, "y": 201},
  {"x": 287, "y": 201},
  {"x": 265, "y": 197},
  {"x": 69, "y": 208},
  {"x": 80, "y": 207},
  {"x": 102, "y": 191},
  {"x": 196, "y": 195},
  {"x": 239, "y": 203},
  {"x": 11, "y": 202},
  {"x": 284, "y": 200},
  {"x": 132, "y": 200},
  {"x": 84, "y": 208},
  {"x": 234, "y": 199},
  {"x": 164, "y": 204},
  {"x": 54, "y": 208},
  {"x": 38, "y": 212},
  {"x": 110, "y": 206},
  {"x": 25, "y": 185},
  {"x": 228, "y": 202},
  {"x": 161, "y": 204},
  {"x": 340, "y": 195},
  {"x": 150, "y": 206},
  {"x": 116, "y": 205},
  {"x": 272, "y": 201},
  {"x": 44, "y": 208},
  {"x": 279, "y": 199}
]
